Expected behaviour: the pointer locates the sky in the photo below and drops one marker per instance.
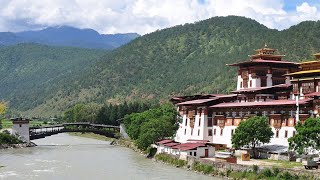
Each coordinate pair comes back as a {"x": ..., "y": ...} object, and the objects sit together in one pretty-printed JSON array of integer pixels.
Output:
[{"x": 145, "y": 16}]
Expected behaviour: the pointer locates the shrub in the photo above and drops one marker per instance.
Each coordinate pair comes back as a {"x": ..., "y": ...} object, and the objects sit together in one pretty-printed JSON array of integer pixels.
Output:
[
  {"x": 255, "y": 168},
  {"x": 276, "y": 171},
  {"x": 267, "y": 172},
  {"x": 9, "y": 139},
  {"x": 171, "y": 160},
  {"x": 206, "y": 169}
]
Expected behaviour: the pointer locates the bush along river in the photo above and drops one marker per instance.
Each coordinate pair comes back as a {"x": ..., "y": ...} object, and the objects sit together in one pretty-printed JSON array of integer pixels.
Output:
[{"x": 64, "y": 156}]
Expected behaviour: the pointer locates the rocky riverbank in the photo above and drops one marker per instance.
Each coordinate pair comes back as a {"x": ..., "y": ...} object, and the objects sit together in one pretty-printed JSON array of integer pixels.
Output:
[{"x": 17, "y": 146}]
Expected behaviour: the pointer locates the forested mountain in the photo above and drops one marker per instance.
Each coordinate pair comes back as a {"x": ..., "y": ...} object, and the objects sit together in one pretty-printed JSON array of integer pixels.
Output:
[
  {"x": 68, "y": 36},
  {"x": 31, "y": 73},
  {"x": 181, "y": 60}
]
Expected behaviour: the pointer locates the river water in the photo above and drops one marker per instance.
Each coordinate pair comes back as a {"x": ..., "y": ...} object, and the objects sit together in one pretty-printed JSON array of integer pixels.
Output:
[{"x": 62, "y": 156}]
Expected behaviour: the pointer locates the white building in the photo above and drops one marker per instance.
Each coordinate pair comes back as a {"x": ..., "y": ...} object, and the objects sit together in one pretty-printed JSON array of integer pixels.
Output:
[
  {"x": 20, "y": 128},
  {"x": 262, "y": 90},
  {"x": 199, "y": 149}
]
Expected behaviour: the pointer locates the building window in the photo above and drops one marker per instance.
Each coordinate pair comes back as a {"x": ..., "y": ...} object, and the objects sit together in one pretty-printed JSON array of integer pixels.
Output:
[
  {"x": 210, "y": 132},
  {"x": 186, "y": 123},
  {"x": 214, "y": 122},
  {"x": 214, "y": 131},
  {"x": 198, "y": 132},
  {"x": 209, "y": 122},
  {"x": 194, "y": 153},
  {"x": 199, "y": 122},
  {"x": 250, "y": 83},
  {"x": 240, "y": 84},
  {"x": 191, "y": 132},
  {"x": 232, "y": 131},
  {"x": 190, "y": 153},
  {"x": 286, "y": 134},
  {"x": 185, "y": 131},
  {"x": 277, "y": 134},
  {"x": 221, "y": 132},
  {"x": 293, "y": 133}
]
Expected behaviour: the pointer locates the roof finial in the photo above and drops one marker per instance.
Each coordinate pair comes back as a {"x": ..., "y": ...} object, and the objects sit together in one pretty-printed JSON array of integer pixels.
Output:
[{"x": 265, "y": 45}]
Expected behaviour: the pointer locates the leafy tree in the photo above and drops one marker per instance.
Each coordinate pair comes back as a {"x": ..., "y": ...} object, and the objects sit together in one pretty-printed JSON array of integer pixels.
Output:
[
  {"x": 3, "y": 108},
  {"x": 307, "y": 136},
  {"x": 112, "y": 114},
  {"x": 150, "y": 126},
  {"x": 252, "y": 132},
  {"x": 82, "y": 113}
]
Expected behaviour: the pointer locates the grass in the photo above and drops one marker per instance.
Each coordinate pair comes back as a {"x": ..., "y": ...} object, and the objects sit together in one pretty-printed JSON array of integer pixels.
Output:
[
  {"x": 168, "y": 159},
  {"x": 92, "y": 136},
  {"x": 6, "y": 123},
  {"x": 283, "y": 164}
]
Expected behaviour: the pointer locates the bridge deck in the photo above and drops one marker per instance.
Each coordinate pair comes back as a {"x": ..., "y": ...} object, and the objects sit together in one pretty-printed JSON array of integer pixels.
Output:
[{"x": 76, "y": 124}]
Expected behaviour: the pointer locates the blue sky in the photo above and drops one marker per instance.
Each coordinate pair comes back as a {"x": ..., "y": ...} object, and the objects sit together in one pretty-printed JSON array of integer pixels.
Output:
[
  {"x": 290, "y": 5},
  {"x": 145, "y": 16}
]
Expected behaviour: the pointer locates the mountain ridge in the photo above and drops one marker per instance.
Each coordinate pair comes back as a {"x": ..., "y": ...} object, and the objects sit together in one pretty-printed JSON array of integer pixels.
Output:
[{"x": 68, "y": 36}]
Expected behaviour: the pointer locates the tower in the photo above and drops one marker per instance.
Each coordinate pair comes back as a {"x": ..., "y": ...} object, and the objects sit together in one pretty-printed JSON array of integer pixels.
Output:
[{"x": 21, "y": 128}]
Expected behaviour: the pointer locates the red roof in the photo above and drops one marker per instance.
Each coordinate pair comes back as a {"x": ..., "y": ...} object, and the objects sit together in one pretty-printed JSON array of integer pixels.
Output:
[
  {"x": 313, "y": 94},
  {"x": 199, "y": 141},
  {"x": 171, "y": 144},
  {"x": 263, "y": 61},
  {"x": 262, "y": 88},
  {"x": 264, "y": 103},
  {"x": 188, "y": 146},
  {"x": 197, "y": 101},
  {"x": 165, "y": 141}
]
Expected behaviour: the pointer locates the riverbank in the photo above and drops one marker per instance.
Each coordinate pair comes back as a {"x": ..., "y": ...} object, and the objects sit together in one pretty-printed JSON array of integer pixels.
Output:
[
  {"x": 17, "y": 146},
  {"x": 236, "y": 171},
  {"x": 92, "y": 136},
  {"x": 216, "y": 169}
]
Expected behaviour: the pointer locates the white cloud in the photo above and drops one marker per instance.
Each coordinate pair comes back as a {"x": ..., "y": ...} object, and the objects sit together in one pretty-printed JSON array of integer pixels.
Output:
[{"x": 143, "y": 16}]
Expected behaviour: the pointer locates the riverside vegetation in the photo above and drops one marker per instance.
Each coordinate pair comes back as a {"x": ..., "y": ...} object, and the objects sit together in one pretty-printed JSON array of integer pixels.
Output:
[
  {"x": 250, "y": 174},
  {"x": 152, "y": 67}
]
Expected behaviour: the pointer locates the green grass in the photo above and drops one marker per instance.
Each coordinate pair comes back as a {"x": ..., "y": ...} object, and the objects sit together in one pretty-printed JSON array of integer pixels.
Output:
[
  {"x": 6, "y": 123},
  {"x": 284, "y": 164},
  {"x": 171, "y": 160}
]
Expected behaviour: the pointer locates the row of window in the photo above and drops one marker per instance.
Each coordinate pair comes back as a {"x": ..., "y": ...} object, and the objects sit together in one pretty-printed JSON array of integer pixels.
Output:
[
  {"x": 194, "y": 153},
  {"x": 191, "y": 133},
  {"x": 232, "y": 131},
  {"x": 285, "y": 134},
  {"x": 215, "y": 132}
]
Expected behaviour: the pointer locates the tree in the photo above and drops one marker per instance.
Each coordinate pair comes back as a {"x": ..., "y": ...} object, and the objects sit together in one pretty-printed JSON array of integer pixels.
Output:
[
  {"x": 150, "y": 126},
  {"x": 307, "y": 136},
  {"x": 3, "y": 108},
  {"x": 252, "y": 132}
]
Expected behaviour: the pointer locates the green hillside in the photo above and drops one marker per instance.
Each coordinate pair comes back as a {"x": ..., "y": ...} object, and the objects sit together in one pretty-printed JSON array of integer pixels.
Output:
[
  {"x": 191, "y": 58},
  {"x": 177, "y": 61},
  {"x": 32, "y": 73}
]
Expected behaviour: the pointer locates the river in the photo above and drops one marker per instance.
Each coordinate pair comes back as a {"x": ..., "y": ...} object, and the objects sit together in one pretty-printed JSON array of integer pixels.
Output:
[{"x": 63, "y": 156}]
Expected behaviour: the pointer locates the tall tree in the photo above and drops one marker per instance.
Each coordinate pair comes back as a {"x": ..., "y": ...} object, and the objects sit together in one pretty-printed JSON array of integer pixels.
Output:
[
  {"x": 307, "y": 136},
  {"x": 252, "y": 132},
  {"x": 150, "y": 126},
  {"x": 3, "y": 108}
]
